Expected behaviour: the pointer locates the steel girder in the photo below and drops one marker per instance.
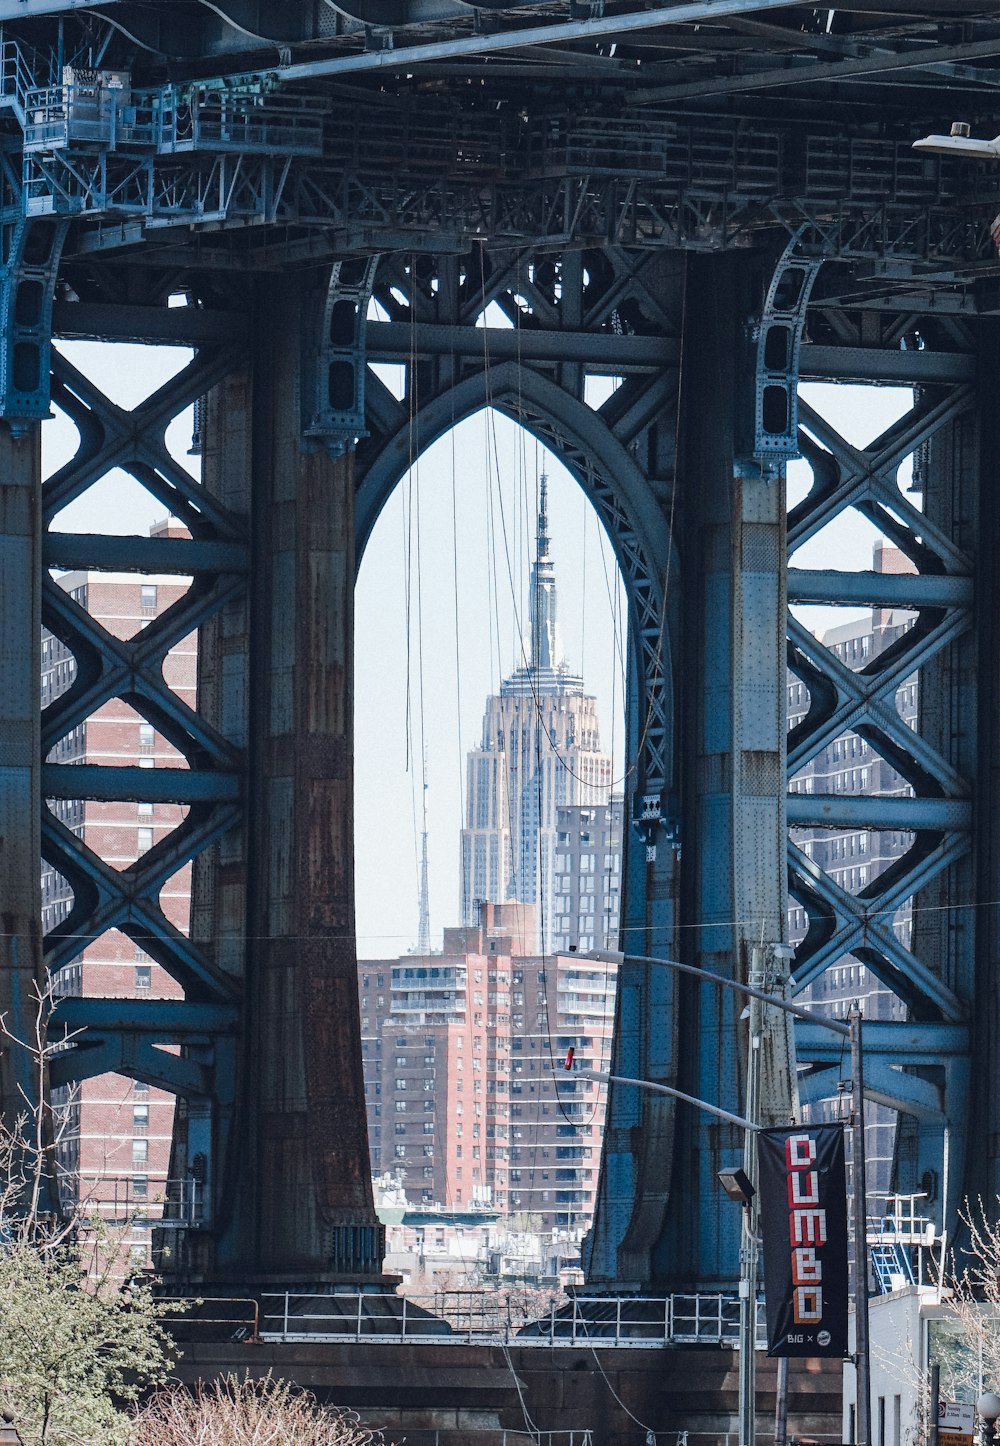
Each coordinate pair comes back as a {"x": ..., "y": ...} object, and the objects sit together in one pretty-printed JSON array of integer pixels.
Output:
[
  {"x": 921, "y": 1068},
  {"x": 140, "y": 1038}
]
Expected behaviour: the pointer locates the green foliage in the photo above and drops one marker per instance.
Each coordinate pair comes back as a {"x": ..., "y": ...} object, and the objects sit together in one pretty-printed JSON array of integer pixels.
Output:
[
  {"x": 77, "y": 1346},
  {"x": 73, "y": 1351}
]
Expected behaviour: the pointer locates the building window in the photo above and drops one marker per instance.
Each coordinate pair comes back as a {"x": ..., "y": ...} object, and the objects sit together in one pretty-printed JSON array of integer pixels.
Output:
[
  {"x": 147, "y": 597},
  {"x": 140, "y": 1119},
  {"x": 147, "y": 735},
  {"x": 144, "y": 840},
  {"x": 140, "y": 1152},
  {"x": 143, "y": 978}
]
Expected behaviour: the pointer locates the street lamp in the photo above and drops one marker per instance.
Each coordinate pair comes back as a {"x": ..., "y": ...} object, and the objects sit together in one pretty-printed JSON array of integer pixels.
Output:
[
  {"x": 851, "y": 1031},
  {"x": 960, "y": 142},
  {"x": 8, "y": 1431},
  {"x": 988, "y": 1407}
]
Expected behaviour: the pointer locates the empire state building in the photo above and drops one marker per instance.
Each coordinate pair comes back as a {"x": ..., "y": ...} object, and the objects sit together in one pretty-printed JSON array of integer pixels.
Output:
[{"x": 540, "y": 751}]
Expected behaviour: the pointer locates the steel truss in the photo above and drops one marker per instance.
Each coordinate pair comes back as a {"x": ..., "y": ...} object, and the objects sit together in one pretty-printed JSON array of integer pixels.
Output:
[
  {"x": 921, "y": 1068},
  {"x": 573, "y": 316},
  {"x": 129, "y": 1036}
]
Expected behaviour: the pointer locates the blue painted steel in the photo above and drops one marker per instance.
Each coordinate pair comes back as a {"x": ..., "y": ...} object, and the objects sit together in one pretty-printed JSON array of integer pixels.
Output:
[
  {"x": 171, "y": 1020},
  {"x": 841, "y": 810},
  {"x": 919, "y": 1068},
  {"x": 31, "y": 251},
  {"x": 91, "y": 552},
  {"x": 879, "y": 589},
  {"x": 334, "y": 382},
  {"x": 908, "y": 1043},
  {"x": 158, "y": 785},
  {"x": 779, "y": 337}
]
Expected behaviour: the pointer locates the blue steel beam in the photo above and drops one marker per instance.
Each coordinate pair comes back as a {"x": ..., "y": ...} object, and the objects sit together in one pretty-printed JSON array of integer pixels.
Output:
[
  {"x": 879, "y": 589},
  {"x": 844, "y": 810},
  {"x": 884, "y": 1085},
  {"x": 910, "y": 1041},
  {"x": 135, "y": 1056},
  {"x": 94, "y": 552},
  {"x": 111, "y": 783},
  {"x": 172, "y": 1020},
  {"x": 875, "y": 364}
]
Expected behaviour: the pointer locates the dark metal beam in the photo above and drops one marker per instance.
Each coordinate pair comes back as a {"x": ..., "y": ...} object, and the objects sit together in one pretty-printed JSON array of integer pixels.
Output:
[
  {"x": 170, "y": 1019},
  {"x": 155, "y": 785},
  {"x": 836, "y": 70},
  {"x": 836, "y": 810},
  {"x": 875, "y": 364},
  {"x": 100, "y": 553},
  {"x": 158, "y": 325},
  {"x": 878, "y": 589},
  {"x": 688, "y": 11},
  {"x": 393, "y": 341}
]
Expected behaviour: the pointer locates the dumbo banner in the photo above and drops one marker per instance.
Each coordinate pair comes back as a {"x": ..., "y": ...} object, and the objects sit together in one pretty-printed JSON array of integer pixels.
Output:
[{"x": 803, "y": 1218}]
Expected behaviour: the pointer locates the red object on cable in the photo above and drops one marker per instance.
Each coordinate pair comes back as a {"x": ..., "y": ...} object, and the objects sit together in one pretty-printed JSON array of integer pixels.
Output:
[{"x": 569, "y": 1058}]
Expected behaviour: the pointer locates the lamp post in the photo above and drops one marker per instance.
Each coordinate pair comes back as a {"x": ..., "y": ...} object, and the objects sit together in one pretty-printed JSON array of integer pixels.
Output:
[
  {"x": 851, "y": 1031},
  {"x": 8, "y": 1431},
  {"x": 988, "y": 1407}
]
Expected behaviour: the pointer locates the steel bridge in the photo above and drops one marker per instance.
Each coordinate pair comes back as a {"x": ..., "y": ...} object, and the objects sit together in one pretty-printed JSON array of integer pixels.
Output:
[{"x": 708, "y": 200}]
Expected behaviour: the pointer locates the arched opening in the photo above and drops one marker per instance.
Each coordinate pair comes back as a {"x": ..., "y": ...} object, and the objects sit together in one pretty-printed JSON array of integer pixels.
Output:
[{"x": 492, "y": 721}]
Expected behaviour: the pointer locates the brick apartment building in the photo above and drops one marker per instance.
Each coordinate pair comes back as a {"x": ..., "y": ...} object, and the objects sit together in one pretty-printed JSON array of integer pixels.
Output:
[
  {"x": 468, "y": 1103},
  {"x": 114, "y": 1145}
]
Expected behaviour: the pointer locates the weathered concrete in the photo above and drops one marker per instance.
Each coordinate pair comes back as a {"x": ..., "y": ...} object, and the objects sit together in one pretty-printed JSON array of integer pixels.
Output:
[{"x": 459, "y": 1390}]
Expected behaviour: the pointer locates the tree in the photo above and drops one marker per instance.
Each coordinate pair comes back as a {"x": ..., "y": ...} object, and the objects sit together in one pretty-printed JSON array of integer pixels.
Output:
[
  {"x": 243, "y": 1412},
  {"x": 74, "y": 1351}
]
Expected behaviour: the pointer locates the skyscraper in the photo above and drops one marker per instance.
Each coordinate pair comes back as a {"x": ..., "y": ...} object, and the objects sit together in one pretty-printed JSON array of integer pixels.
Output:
[{"x": 540, "y": 752}]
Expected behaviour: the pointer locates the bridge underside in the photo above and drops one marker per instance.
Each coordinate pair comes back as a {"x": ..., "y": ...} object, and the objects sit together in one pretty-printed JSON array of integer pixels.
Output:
[{"x": 658, "y": 197}]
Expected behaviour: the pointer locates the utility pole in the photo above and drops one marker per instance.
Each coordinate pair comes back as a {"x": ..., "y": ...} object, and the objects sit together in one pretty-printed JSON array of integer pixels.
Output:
[
  {"x": 749, "y": 1247},
  {"x": 852, "y": 1032},
  {"x": 862, "y": 1363}
]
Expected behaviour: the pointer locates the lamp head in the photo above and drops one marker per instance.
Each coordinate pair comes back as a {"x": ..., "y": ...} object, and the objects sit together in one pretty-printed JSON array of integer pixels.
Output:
[
  {"x": 737, "y": 1186},
  {"x": 988, "y": 1406}
]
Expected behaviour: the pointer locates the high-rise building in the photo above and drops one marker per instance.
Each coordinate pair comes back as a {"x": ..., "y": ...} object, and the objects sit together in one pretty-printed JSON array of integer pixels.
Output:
[
  {"x": 586, "y": 903},
  {"x": 114, "y": 1133},
  {"x": 468, "y": 1102},
  {"x": 540, "y": 751},
  {"x": 854, "y": 858}
]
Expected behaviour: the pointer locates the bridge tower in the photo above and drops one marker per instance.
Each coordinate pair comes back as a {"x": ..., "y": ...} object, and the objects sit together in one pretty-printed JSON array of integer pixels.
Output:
[{"x": 171, "y": 177}]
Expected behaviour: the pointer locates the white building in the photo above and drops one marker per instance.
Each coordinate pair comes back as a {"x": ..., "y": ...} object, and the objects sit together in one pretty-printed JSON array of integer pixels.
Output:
[{"x": 540, "y": 752}]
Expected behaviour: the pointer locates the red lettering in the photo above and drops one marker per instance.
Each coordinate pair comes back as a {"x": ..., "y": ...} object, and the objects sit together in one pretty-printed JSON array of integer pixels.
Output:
[
  {"x": 807, "y": 1305},
  {"x": 803, "y": 1188},
  {"x": 800, "y": 1152},
  {"x": 807, "y": 1227},
  {"x": 807, "y": 1269}
]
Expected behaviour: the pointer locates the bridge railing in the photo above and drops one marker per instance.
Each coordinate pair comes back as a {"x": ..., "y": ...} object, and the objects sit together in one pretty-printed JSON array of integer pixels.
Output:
[{"x": 492, "y": 1316}]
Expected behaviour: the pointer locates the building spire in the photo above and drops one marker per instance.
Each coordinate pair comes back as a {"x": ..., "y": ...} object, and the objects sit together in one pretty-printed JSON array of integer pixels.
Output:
[
  {"x": 544, "y": 633},
  {"x": 424, "y": 923}
]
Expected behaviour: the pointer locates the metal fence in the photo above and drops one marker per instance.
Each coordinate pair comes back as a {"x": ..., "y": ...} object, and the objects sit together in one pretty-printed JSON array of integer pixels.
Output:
[{"x": 492, "y": 1317}]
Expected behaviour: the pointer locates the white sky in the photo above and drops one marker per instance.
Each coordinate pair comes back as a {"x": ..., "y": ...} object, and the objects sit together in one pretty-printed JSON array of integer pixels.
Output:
[{"x": 473, "y": 564}]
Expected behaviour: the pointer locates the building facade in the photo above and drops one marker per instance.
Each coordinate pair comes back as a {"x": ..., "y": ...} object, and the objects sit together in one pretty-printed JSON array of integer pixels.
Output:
[
  {"x": 114, "y": 1133},
  {"x": 468, "y": 1102},
  {"x": 586, "y": 903},
  {"x": 540, "y": 751},
  {"x": 854, "y": 858}
]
